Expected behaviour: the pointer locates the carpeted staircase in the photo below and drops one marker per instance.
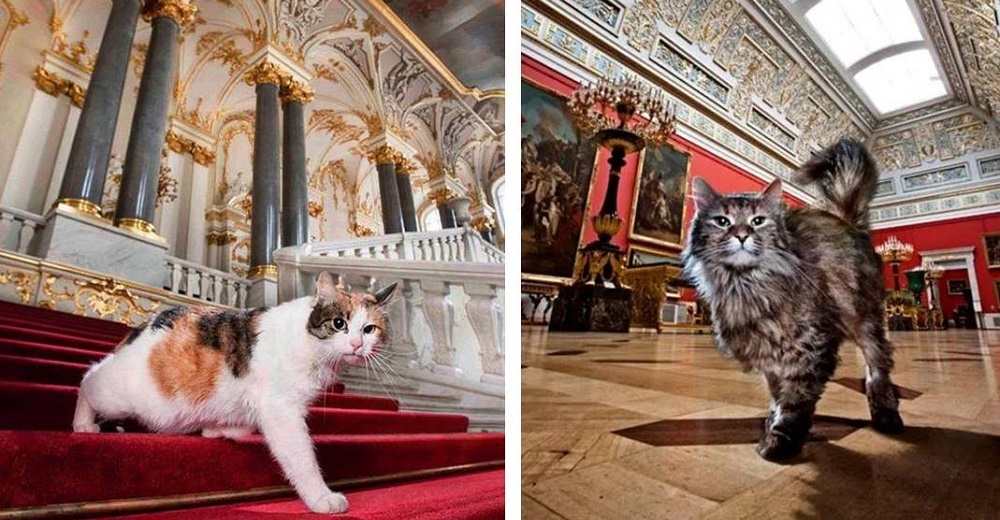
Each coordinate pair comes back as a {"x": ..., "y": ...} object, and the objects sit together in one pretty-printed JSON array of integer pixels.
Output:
[{"x": 391, "y": 463}]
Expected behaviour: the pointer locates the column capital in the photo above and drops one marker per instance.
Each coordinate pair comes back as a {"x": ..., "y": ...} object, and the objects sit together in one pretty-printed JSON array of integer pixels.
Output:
[
  {"x": 441, "y": 196},
  {"x": 180, "y": 11},
  {"x": 265, "y": 72},
  {"x": 482, "y": 222},
  {"x": 384, "y": 154},
  {"x": 296, "y": 91},
  {"x": 404, "y": 166}
]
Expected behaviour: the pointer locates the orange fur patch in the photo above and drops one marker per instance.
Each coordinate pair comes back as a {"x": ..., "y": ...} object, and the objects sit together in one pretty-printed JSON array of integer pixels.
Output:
[{"x": 181, "y": 365}]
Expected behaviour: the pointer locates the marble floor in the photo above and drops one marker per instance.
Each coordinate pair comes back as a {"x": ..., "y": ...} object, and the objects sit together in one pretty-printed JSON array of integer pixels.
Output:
[{"x": 644, "y": 425}]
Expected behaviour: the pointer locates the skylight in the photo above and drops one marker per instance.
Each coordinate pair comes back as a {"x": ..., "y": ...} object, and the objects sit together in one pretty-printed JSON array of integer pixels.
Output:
[
  {"x": 880, "y": 48},
  {"x": 854, "y": 29},
  {"x": 901, "y": 80}
]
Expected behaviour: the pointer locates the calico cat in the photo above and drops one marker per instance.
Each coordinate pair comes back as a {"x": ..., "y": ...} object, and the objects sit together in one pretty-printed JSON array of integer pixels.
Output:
[
  {"x": 229, "y": 373},
  {"x": 787, "y": 287}
]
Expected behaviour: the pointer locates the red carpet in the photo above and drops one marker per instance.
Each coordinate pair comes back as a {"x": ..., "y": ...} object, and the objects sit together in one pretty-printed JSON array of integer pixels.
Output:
[
  {"x": 471, "y": 496},
  {"x": 43, "y": 355}
]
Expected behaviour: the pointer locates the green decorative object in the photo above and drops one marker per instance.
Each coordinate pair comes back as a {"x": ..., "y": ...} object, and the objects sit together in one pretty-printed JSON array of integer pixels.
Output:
[{"x": 915, "y": 283}]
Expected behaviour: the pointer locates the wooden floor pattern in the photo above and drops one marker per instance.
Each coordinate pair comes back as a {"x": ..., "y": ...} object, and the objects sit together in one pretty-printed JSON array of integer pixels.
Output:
[{"x": 661, "y": 426}]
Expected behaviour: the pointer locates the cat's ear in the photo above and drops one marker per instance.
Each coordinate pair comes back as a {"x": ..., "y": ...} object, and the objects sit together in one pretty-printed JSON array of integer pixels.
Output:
[
  {"x": 772, "y": 194},
  {"x": 326, "y": 288},
  {"x": 703, "y": 194},
  {"x": 382, "y": 295}
]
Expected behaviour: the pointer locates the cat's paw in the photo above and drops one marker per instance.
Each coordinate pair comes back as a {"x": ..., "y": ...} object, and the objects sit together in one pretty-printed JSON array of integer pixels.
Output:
[
  {"x": 86, "y": 428},
  {"x": 328, "y": 502},
  {"x": 887, "y": 421},
  {"x": 776, "y": 447}
]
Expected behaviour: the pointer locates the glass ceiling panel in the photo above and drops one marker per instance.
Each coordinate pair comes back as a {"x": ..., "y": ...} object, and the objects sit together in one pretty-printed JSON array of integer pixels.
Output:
[
  {"x": 901, "y": 80},
  {"x": 853, "y": 29}
]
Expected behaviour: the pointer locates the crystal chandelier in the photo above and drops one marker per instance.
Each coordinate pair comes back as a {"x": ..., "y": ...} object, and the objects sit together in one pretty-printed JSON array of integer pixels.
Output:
[
  {"x": 894, "y": 251},
  {"x": 639, "y": 108}
]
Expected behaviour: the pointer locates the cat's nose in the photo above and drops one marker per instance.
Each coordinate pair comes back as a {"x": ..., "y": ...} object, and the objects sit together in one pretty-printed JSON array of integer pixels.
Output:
[
  {"x": 356, "y": 344},
  {"x": 742, "y": 237}
]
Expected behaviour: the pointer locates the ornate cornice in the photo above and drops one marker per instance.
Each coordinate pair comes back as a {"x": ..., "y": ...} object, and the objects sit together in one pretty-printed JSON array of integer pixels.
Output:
[
  {"x": 266, "y": 72},
  {"x": 55, "y": 85},
  {"x": 180, "y": 11},
  {"x": 297, "y": 91}
]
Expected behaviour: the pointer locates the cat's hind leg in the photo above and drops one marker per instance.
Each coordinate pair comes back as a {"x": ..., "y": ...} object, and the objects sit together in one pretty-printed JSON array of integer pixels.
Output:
[
  {"x": 84, "y": 419},
  {"x": 883, "y": 402}
]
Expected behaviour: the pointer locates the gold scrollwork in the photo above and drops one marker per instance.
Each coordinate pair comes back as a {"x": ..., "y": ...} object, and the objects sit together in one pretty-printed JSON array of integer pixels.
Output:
[
  {"x": 441, "y": 195},
  {"x": 220, "y": 238},
  {"x": 360, "y": 230},
  {"x": 315, "y": 209},
  {"x": 481, "y": 223},
  {"x": 105, "y": 297},
  {"x": 23, "y": 283},
  {"x": 382, "y": 154}
]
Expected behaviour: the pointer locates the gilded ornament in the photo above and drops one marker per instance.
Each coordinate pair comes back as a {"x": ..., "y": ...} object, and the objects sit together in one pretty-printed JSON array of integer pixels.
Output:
[
  {"x": 138, "y": 226},
  {"x": 265, "y": 72},
  {"x": 441, "y": 196},
  {"x": 23, "y": 283},
  {"x": 383, "y": 154},
  {"x": 329, "y": 71},
  {"x": 55, "y": 85},
  {"x": 315, "y": 208},
  {"x": 373, "y": 122},
  {"x": 481, "y": 223},
  {"x": 360, "y": 230},
  {"x": 372, "y": 27},
  {"x": 105, "y": 297},
  {"x": 220, "y": 238},
  {"x": 180, "y": 144},
  {"x": 404, "y": 166},
  {"x": 334, "y": 124},
  {"x": 82, "y": 206},
  {"x": 180, "y": 11},
  {"x": 296, "y": 91}
]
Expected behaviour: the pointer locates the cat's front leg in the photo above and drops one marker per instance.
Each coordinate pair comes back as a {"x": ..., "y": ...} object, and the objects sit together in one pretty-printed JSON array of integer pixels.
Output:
[
  {"x": 284, "y": 428},
  {"x": 790, "y": 415}
]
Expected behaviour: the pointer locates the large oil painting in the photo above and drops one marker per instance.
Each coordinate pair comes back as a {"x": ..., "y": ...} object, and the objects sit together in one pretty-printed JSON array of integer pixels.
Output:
[
  {"x": 658, "y": 202},
  {"x": 991, "y": 244},
  {"x": 556, "y": 168}
]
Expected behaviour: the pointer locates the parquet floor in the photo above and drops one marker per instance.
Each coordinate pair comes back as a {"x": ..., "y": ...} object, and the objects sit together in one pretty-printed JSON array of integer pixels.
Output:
[{"x": 647, "y": 426}]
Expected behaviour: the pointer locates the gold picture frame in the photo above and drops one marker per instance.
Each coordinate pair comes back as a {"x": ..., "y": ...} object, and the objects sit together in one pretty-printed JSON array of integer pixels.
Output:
[
  {"x": 991, "y": 250},
  {"x": 642, "y": 235}
]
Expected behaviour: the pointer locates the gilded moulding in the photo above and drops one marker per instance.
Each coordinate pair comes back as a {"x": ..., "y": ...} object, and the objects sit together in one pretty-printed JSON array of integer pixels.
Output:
[
  {"x": 384, "y": 154},
  {"x": 180, "y": 11},
  {"x": 105, "y": 297},
  {"x": 80, "y": 206},
  {"x": 220, "y": 238},
  {"x": 263, "y": 271},
  {"x": 55, "y": 85},
  {"x": 139, "y": 227},
  {"x": 180, "y": 144},
  {"x": 265, "y": 72}
]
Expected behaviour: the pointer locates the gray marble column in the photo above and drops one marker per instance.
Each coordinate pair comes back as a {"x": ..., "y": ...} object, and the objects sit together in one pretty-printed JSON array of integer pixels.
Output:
[
  {"x": 295, "y": 182},
  {"x": 392, "y": 220},
  {"x": 141, "y": 172},
  {"x": 408, "y": 210},
  {"x": 265, "y": 196},
  {"x": 83, "y": 184}
]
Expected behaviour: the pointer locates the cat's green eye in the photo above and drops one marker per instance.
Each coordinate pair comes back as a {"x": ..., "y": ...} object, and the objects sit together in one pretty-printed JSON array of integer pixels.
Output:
[
  {"x": 370, "y": 329},
  {"x": 722, "y": 221},
  {"x": 758, "y": 221},
  {"x": 339, "y": 324}
]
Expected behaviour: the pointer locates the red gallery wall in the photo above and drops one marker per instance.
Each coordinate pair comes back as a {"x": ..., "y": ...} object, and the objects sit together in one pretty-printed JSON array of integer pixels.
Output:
[
  {"x": 947, "y": 234},
  {"x": 950, "y": 301},
  {"x": 722, "y": 175}
]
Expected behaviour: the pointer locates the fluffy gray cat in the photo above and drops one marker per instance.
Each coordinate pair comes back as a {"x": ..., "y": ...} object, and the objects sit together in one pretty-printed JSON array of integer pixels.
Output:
[{"x": 787, "y": 287}]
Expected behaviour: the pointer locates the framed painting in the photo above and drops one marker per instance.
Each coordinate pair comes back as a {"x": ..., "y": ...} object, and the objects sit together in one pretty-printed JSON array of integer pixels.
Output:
[
  {"x": 659, "y": 197},
  {"x": 639, "y": 256},
  {"x": 557, "y": 165},
  {"x": 957, "y": 287},
  {"x": 991, "y": 246}
]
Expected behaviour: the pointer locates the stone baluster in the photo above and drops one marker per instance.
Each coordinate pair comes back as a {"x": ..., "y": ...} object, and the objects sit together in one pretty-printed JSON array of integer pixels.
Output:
[
  {"x": 440, "y": 317},
  {"x": 83, "y": 183},
  {"x": 486, "y": 318},
  {"x": 136, "y": 206},
  {"x": 266, "y": 77},
  {"x": 295, "y": 185},
  {"x": 384, "y": 159}
]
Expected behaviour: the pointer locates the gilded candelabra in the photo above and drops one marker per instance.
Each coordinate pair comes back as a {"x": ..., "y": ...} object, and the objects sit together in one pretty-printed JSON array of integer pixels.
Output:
[
  {"x": 900, "y": 306},
  {"x": 623, "y": 115},
  {"x": 894, "y": 252}
]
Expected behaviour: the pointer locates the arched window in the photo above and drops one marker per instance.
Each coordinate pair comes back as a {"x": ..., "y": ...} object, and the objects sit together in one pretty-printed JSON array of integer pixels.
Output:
[{"x": 432, "y": 219}]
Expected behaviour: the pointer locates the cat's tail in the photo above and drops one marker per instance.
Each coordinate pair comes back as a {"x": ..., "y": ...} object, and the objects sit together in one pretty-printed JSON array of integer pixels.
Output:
[{"x": 846, "y": 176}]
